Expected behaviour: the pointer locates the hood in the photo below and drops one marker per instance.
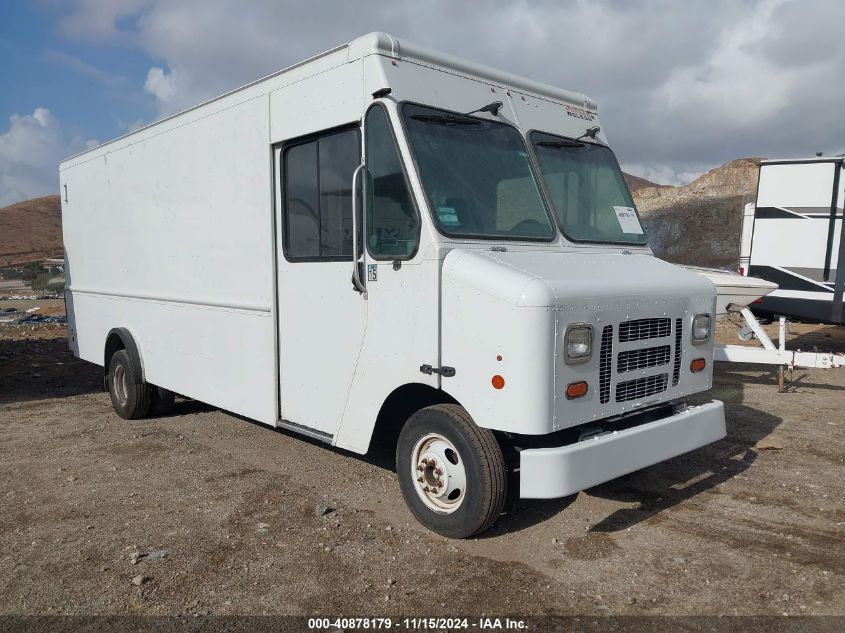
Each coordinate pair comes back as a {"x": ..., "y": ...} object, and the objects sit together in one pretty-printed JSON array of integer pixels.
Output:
[{"x": 553, "y": 278}]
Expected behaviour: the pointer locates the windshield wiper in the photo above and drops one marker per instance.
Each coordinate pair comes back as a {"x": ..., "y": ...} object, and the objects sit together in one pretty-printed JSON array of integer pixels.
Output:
[
  {"x": 560, "y": 143},
  {"x": 447, "y": 119}
]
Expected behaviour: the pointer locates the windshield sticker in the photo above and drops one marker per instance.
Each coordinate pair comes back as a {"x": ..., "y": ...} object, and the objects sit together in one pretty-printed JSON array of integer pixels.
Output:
[
  {"x": 628, "y": 220},
  {"x": 448, "y": 216}
]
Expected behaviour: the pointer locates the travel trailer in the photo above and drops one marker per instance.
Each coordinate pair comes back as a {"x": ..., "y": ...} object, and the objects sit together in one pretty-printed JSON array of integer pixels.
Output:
[
  {"x": 793, "y": 236},
  {"x": 388, "y": 241}
]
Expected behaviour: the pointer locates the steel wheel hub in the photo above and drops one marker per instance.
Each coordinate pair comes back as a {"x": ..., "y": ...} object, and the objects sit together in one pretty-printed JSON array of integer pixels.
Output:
[
  {"x": 438, "y": 473},
  {"x": 118, "y": 379}
]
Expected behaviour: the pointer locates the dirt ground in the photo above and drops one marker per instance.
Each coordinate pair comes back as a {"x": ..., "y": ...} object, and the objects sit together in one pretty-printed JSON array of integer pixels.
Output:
[{"x": 751, "y": 525}]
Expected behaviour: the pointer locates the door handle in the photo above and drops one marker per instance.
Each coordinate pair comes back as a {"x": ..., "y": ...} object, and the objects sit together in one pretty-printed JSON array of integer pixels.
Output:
[{"x": 357, "y": 282}]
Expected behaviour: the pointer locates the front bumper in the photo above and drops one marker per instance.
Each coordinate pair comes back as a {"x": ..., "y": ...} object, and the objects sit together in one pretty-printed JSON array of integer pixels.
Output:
[{"x": 546, "y": 473}]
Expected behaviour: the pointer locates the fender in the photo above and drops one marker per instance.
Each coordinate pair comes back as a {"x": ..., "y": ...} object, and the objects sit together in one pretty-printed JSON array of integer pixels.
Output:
[{"x": 121, "y": 338}]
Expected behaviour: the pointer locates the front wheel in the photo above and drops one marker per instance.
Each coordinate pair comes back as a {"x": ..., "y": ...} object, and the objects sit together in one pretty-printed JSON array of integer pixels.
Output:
[{"x": 451, "y": 472}]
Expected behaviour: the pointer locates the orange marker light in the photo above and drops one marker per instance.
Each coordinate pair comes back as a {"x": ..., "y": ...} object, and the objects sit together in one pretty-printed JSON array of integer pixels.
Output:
[
  {"x": 697, "y": 365},
  {"x": 576, "y": 390},
  {"x": 498, "y": 382}
]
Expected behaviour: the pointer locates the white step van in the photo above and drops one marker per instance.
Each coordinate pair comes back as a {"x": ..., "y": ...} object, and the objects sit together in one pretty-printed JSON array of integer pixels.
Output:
[{"x": 386, "y": 240}]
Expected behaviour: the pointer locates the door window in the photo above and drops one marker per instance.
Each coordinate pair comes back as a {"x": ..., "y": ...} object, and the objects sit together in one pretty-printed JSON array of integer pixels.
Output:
[
  {"x": 393, "y": 223},
  {"x": 318, "y": 196}
]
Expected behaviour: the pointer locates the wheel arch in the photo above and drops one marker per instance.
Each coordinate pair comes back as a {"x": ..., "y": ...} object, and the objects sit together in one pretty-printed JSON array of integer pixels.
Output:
[
  {"x": 401, "y": 404},
  {"x": 121, "y": 338}
]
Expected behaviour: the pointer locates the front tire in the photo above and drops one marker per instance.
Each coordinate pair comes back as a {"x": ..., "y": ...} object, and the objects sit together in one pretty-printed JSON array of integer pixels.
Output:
[
  {"x": 130, "y": 397},
  {"x": 451, "y": 471}
]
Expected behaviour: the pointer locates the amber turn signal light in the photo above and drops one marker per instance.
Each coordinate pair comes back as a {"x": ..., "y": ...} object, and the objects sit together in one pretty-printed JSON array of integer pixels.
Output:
[
  {"x": 697, "y": 365},
  {"x": 576, "y": 390}
]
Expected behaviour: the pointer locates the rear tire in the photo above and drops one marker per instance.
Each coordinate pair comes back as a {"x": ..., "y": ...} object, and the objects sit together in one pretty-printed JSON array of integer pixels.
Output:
[
  {"x": 130, "y": 396},
  {"x": 451, "y": 472}
]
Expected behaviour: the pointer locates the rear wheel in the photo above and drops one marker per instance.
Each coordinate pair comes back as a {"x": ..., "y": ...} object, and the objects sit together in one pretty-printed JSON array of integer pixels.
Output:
[
  {"x": 130, "y": 396},
  {"x": 451, "y": 472}
]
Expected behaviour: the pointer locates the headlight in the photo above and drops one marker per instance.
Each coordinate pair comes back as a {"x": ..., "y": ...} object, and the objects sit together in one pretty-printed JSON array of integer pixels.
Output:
[
  {"x": 701, "y": 328},
  {"x": 578, "y": 343}
]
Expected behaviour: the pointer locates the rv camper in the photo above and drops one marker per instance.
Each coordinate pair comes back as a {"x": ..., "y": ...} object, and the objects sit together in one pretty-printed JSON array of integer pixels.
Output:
[
  {"x": 388, "y": 241},
  {"x": 793, "y": 236}
]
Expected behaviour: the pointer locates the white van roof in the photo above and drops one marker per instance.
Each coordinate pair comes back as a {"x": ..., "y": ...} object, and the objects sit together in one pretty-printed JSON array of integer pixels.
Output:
[{"x": 385, "y": 44}]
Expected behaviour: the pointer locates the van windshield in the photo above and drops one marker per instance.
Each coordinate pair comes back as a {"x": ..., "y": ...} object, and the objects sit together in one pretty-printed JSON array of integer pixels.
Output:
[
  {"x": 476, "y": 175},
  {"x": 587, "y": 190}
]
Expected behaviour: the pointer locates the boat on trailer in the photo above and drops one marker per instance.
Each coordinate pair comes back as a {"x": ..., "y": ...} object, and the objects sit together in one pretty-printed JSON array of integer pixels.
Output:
[{"x": 734, "y": 291}]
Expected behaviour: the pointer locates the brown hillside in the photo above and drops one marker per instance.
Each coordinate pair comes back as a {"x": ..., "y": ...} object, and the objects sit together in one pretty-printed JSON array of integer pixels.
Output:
[
  {"x": 635, "y": 183},
  {"x": 700, "y": 223},
  {"x": 30, "y": 230}
]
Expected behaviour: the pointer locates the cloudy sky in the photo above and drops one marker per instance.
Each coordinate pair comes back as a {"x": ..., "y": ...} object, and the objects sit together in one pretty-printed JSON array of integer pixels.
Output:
[{"x": 682, "y": 86}]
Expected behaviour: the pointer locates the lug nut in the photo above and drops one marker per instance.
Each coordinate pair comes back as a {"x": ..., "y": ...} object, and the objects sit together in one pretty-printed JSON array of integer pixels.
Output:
[
  {"x": 439, "y": 471},
  {"x": 420, "y": 479}
]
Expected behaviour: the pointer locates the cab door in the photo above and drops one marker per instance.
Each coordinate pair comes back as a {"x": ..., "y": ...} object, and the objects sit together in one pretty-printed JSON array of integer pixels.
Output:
[
  {"x": 401, "y": 283},
  {"x": 322, "y": 317}
]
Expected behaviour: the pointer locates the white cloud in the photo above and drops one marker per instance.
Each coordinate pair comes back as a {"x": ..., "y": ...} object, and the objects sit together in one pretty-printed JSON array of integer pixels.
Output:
[
  {"x": 98, "y": 19},
  {"x": 666, "y": 174},
  {"x": 29, "y": 155},
  {"x": 162, "y": 85},
  {"x": 735, "y": 85}
]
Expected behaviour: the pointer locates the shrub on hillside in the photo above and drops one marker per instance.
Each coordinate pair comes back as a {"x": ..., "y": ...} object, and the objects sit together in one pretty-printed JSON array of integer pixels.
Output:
[{"x": 40, "y": 283}]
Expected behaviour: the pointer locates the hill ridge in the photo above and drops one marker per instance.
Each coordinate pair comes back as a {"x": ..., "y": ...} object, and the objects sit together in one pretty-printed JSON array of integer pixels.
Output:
[{"x": 31, "y": 230}]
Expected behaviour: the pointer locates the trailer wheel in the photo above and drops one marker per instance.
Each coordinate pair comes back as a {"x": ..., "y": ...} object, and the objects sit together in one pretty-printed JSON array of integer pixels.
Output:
[
  {"x": 129, "y": 397},
  {"x": 451, "y": 472}
]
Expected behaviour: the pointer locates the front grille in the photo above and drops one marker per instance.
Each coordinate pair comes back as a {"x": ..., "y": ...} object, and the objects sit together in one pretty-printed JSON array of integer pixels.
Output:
[
  {"x": 641, "y": 387},
  {"x": 640, "y": 329},
  {"x": 622, "y": 360},
  {"x": 676, "y": 370},
  {"x": 634, "y": 359},
  {"x": 605, "y": 363}
]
